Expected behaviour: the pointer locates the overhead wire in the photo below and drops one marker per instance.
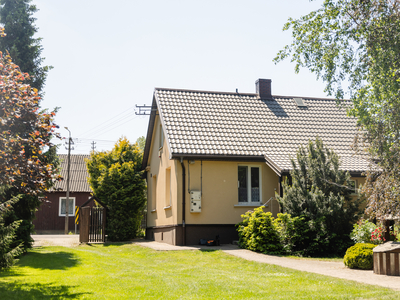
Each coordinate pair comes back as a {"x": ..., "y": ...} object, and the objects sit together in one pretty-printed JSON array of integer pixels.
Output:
[
  {"x": 104, "y": 131},
  {"x": 106, "y": 123}
]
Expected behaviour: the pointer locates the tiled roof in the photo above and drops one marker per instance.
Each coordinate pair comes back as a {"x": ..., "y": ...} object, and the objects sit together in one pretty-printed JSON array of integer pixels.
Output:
[
  {"x": 199, "y": 123},
  {"x": 78, "y": 172}
]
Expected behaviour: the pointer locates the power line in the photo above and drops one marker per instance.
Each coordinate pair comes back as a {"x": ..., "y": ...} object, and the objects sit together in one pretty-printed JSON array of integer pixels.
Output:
[
  {"x": 104, "y": 131},
  {"x": 105, "y": 124}
]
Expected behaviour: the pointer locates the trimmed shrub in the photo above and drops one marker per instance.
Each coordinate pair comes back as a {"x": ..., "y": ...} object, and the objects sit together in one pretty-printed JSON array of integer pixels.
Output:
[
  {"x": 360, "y": 256},
  {"x": 258, "y": 233},
  {"x": 362, "y": 230}
]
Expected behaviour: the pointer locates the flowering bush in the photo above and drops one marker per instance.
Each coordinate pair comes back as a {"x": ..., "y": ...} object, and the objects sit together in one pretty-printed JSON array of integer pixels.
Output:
[
  {"x": 362, "y": 231},
  {"x": 377, "y": 236}
]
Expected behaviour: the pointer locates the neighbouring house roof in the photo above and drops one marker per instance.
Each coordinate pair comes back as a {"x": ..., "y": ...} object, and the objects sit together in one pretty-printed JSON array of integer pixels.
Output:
[
  {"x": 202, "y": 124},
  {"x": 78, "y": 174}
]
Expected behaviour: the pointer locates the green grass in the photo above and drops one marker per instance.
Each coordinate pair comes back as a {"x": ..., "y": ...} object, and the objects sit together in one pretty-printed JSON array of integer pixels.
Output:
[{"x": 127, "y": 271}]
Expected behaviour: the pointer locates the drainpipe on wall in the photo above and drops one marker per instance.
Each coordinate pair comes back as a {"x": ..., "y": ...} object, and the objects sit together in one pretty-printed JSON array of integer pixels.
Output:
[{"x": 183, "y": 203}]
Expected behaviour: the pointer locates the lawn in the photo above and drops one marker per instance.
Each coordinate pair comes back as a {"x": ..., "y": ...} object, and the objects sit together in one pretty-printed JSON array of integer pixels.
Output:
[{"x": 127, "y": 271}]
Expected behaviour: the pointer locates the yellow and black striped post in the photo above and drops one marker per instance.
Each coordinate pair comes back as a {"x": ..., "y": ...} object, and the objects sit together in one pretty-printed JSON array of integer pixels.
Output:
[{"x": 76, "y": 214}]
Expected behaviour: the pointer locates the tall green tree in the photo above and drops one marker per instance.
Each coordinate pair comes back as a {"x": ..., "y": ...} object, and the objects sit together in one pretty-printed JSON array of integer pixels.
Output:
[
  {"x": 354, "y": 46},
  {"x": 141, "y": 142},
  {"x": 25, "y": 171},
  {"x": 321, "y": 193},
  {"x": 25, "y": 49},
  {"x": 7, "y": 234},
  {"x": 116, "y": 179},
  {"x": 16, "y": 16}
]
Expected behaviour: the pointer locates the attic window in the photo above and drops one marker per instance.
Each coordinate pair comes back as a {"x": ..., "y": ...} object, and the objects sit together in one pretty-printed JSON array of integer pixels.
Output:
[{"x": 300, "y": 102}]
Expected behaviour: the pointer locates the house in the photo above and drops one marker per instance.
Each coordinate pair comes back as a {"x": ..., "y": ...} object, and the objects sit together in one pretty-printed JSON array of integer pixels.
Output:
[
  {"x": 50, "y": 217},
  {"x": 212, "y": 156}
]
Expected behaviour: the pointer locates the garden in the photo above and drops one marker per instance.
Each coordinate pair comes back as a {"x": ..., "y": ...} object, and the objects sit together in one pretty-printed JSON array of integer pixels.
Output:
[{"x": 322, "y": 217}]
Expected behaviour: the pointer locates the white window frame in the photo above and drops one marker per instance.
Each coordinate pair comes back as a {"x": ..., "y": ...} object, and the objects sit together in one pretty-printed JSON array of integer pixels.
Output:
[
  {"x": 70, "y": 214},
  {"x": 249, "y": 202}
]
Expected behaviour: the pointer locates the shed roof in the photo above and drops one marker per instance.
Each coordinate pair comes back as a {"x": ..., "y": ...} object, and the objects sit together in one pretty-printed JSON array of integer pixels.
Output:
[
  {"x": 78, "y": 174},
  {"x": 231, "y": 125}
]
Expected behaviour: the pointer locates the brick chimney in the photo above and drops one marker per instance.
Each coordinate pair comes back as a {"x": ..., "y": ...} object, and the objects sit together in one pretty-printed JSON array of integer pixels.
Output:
[{"x": 263, "y": 88}]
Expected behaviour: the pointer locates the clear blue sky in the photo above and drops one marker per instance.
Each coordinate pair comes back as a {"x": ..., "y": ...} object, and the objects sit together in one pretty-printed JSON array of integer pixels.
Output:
[{"x": 110, "y": 55}]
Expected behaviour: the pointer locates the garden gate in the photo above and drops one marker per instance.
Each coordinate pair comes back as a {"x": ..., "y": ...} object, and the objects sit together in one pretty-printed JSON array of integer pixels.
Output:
[{"x": 92, "y": 223}]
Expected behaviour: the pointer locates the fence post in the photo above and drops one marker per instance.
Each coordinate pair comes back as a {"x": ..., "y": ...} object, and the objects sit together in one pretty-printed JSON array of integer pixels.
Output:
[{"x": 84, "y": 225}]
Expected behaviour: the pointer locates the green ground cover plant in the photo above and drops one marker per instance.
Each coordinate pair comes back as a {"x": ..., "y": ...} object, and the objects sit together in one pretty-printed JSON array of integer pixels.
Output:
[{"x": 127, "y": 271}]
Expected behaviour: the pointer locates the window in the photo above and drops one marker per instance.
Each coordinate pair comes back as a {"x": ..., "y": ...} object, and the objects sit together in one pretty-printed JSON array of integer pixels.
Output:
[
  {"x": 161, "y": 137},
  {"x": 354, "y": 186},
  {"x": 249, "y": 187},
  {"x": 154, "y": 193},
  {"x": 71, "y": 207},
  {"x": 168, "y": 188}
]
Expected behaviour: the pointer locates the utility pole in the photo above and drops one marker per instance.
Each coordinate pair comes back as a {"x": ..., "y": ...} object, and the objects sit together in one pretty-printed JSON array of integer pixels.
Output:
[
  {"x": 68, "y": 176},
  {"x": 93, "y": 145}
]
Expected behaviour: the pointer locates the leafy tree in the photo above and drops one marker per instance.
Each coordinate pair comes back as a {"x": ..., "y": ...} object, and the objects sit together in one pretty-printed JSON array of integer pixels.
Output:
[
  {"x": 25, "y": 50},
  {"x": 355, "y": 45},
  {"x": 25, "y": 131},
  {"x": 17, "y": 18},
  {"x": 7, "y": 233},
  {"x": 141, "y": 142},
  {"x": 116, "y": 179},
  {"x": 320, "y": 193}
]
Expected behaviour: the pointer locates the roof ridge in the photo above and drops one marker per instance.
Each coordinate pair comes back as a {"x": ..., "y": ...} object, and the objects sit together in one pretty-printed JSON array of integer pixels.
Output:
[{"x": 247, "y": 94}]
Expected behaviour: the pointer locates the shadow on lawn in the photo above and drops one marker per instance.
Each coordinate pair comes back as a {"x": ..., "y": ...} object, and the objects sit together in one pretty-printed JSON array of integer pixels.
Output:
[
  {"x": 12, "y": 290},
  {"x": 49, "y": 260}
]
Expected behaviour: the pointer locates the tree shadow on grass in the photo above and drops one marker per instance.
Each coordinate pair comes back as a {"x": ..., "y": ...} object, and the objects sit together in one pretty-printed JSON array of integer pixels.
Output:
[
  {"x": 19, "y": 290},
  {"x": 49, "y": 260}
]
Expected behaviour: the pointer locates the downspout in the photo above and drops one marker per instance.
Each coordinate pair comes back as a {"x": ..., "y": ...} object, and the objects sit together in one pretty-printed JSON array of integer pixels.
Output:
[{"x": 183, "y": 203}]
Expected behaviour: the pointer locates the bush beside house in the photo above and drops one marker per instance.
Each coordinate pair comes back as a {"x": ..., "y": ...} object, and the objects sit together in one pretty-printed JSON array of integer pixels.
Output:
[
  {"x": 360, "y": 256},
  {"x": 116, "y": 179},
  {"x": 318, "y": 204}
]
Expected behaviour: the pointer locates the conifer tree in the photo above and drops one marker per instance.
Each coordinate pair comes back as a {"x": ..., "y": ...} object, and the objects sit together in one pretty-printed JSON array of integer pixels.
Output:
[
  {"x": 25, "y": 51},
  {"x": 16, "y": 16},
  {"x": 116, "y": 179},
  {"x": 321, "y": 193},
  {"x": 7, "y": 233}
]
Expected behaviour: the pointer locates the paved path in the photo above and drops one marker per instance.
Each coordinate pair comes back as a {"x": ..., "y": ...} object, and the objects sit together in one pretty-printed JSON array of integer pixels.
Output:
[
  {"x": 329, "y": 268},
  {"x": 66, "y": 240},
  {"x": 334, "y": 269}
]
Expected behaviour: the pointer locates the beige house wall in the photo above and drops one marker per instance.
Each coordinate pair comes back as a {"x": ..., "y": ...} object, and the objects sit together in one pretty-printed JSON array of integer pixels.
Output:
[
  {"x": 161, "y": 208},
  {"x": 219, "y": 203},
  {"x": 218, "y": 181}
]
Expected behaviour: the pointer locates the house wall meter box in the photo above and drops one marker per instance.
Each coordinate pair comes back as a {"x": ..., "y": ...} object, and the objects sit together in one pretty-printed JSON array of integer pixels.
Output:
[{"x": 195, "y": 201}]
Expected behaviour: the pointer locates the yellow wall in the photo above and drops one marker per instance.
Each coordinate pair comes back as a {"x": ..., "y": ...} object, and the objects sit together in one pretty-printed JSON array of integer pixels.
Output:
[
  {"x": 219, "y": 188},
  {"x": 219, "y": 196},
  {"x": 220, "y": 191},
  {"x": 160, "y": 213}
]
